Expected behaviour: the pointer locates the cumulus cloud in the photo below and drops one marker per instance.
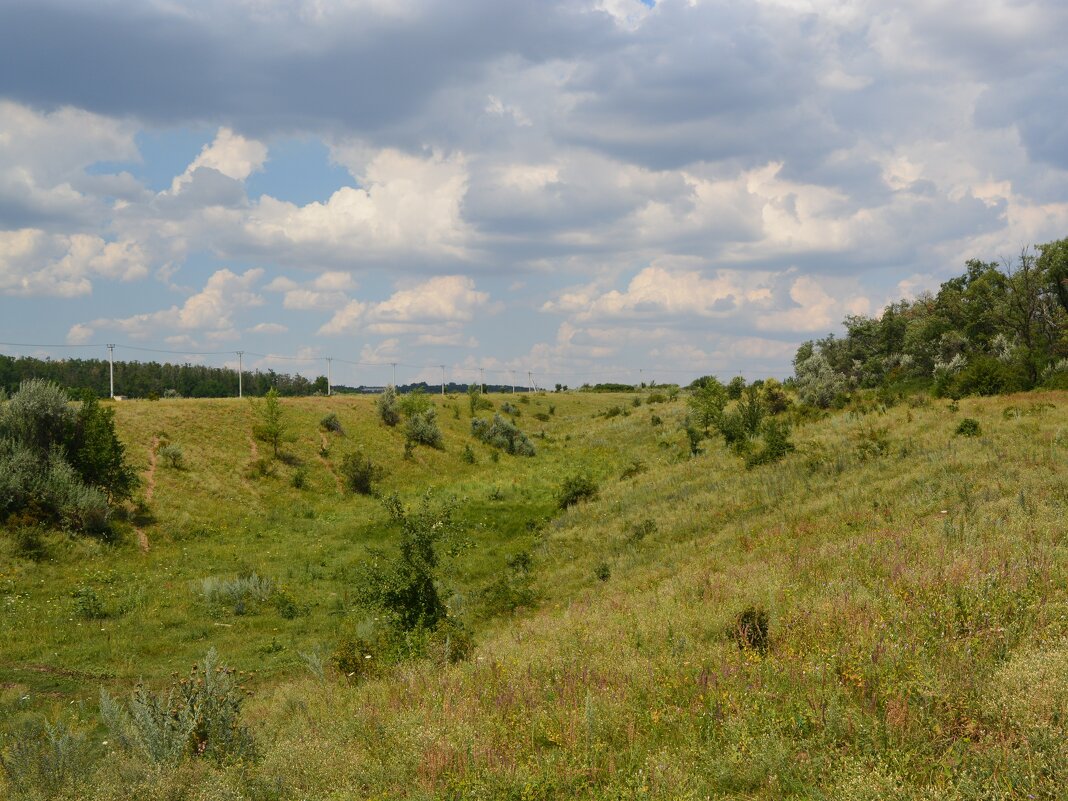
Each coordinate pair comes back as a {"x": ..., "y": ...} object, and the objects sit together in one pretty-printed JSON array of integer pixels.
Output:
[
  {"x": 437, "y": 307},
  {"x": 33, "y": 262},
  {"x": 209, "y": 313}
]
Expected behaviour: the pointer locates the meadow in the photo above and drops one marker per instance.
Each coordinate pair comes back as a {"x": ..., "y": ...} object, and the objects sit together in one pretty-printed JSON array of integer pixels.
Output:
[{"x": 907, "y": 578}]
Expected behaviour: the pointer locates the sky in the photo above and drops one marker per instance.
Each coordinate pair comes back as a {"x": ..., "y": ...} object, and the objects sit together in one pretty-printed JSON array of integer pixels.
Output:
[{"x": 590, "y": 190}]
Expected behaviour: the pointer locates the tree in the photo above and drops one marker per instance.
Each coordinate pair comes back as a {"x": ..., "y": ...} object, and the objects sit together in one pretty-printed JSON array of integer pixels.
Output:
[
  {"x": 707, "y": 402},
  {"x": 272, "y": 427},
  {"x": 387, "y": 406}
]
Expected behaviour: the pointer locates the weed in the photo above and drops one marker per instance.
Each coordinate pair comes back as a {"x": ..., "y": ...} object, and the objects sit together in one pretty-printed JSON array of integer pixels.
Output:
[
  {"x": 968, "y": 427},
  {"x": 88, "y": 604},
  {"x": 172, "y": 456},
  {"x": 750, "y": 629},
  {"x": 45, "y": 759},
  {"x": 655, "y": 420},
  {"x": 198, "y": 716},
  {"x": 467, "y": 456},
  {"x": 642, "y": 529},
  {"x": 602, "y": 572},
  {"x": 635, "y": 468}
]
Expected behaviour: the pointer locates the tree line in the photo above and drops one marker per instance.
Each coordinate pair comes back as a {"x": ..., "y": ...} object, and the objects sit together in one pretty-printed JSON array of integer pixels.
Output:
[
  {"x": 996, "y": 328},
  {"x": 152, "y": 379}
]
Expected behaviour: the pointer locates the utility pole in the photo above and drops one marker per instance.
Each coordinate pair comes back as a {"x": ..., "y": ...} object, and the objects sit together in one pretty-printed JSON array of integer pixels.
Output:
[
  {"x": 530, "y": 379},
  {"x": 394, "y": 374},
  {"x": 240, "y": 369},
  {"x": 482, "y": 379},
  {"x": 641, "y": 377},
  {"x": 442, "y": 366},
  {"x": 329, "y": 375},
  {"x": 111, "y": 368},
  {"x": 513, "y": 382}
]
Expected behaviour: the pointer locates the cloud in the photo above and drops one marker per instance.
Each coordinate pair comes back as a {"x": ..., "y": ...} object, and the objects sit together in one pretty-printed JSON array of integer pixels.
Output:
[
  {"x": 268, "y": 328},
  {"x": 207, "y": 313},
  {"x": 33, "y": 262}
]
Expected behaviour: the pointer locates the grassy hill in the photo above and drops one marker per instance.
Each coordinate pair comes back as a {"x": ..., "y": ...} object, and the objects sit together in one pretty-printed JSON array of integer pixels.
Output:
[{"x": 913, "y": 581}]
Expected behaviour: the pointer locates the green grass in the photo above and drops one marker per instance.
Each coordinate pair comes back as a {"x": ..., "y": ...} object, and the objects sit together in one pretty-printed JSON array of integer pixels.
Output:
[{"x": 917, "y": 596}]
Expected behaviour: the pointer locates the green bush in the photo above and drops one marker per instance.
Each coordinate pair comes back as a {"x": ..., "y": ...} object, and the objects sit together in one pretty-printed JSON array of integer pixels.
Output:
[
  {"x": 735, "y": 387},
  {"x": 422, "y": 428},
  {"x": 576, "y": 488},
  {"x": 60, "y": 465},
  {"x": 300, "y": 478},
  {"x": 331, "y": 423},
  {"x": 272, "y": 425},
  {"x": 359, "y": 474},
  {"x": 467, "y": 456},
  {"x": 197, "y": 717},
  {"x": 776, "y": 444},
  {"x": 415, "y": 403},
  {"x": 985, "y": 375},
  {"x": 387, "y": 407},
  {"x": 29, "y": 542},
  {"x": 602, "y": 572},
  {"x": 512, "y": 589},
  {"x": 636, "y": 467},
  {"x": 968, "y": 427},
  {"x": 405, "y": 588},
  {"x": 642, "y": 529},
  {"x": 502, "y": 434},
  {"x": 509, "y": 409}
]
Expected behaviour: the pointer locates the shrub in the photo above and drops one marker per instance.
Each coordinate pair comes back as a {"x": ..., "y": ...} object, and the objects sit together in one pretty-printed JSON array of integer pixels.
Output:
[
  {"x": 300, "y": 478},
  {"x": 776, "y": 444},
  {"x": 271, "y": 426},
  {"x": 359, "y": 474},
  {"x": 578, "y": 487},
  {"x": 261, "y": 467},
  {"x": 541, "y": 417},
  {"x": 66, "y": 466},
  {"x": 387, "y": 407},
  {"x": 331, "y": 423},
  {"x": 636, "y": 467},
  {"x": 656, "y": 397},
  {"x": 44, "y": 760},
  {"x": 602, "y": 571},
  {"x": 172, "y": 456},
  {"x": 467, "y": 456},
  {"x": 502, "y": 434},
  {"x": 87, "y": 604},
  {"x": 511, "y": 590},
  {"x": 872, "y": 441},
  {"x": 509, "y": 409},
  {"x": 476, "y": 401},
  {"x": 414, "y": 403},
  {"x": 968, "y": 427},
  {"x": 199, "y": 716},
  {"x": 422, "y": 427},
  {"x": 817, "y": 382},
  {"x": 750, "y": 630},
  {"x": 985, "y": 375},
  {"x": 405, "y": 588},
  {"x": 655, "y": 420},
  {"x": 775, "y": 397},
  {"x": 707, "y": 403}
]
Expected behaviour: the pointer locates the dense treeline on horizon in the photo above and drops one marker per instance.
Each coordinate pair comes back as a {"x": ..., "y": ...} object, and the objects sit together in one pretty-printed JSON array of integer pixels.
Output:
[
  {"x": 994, "y": 329},
  {"x": 151, "y": 379}
]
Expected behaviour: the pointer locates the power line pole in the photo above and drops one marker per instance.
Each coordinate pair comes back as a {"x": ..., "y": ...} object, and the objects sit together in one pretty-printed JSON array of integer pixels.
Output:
[
  {"x": 111, "y": 369},
  {"x": 513, "y": 382},
  {"x": 329, "y": 375},
  {"x": 442, "y": 366},
  {"x": 394, "y": 373},
  {"x": 482, "y": 379},
  {"x": 530, "y": 378},
  {"x": 240, "y": 369}
]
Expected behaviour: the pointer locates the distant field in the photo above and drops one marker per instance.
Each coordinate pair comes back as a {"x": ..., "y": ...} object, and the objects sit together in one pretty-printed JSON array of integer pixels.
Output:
[{"x": 915, "y": 583}]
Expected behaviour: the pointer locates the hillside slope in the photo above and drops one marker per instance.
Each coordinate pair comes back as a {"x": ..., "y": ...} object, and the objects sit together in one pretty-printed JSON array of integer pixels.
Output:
[{"x": 914, "y": 583}]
